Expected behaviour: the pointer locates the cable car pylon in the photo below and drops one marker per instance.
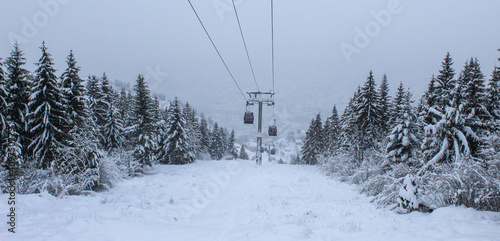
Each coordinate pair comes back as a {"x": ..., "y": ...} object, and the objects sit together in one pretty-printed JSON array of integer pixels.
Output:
[{"x": 260, "y": 98}]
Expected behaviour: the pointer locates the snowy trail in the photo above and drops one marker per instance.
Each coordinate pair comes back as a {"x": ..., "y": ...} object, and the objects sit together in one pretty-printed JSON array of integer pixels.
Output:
[{"x": 236, "y": 200}]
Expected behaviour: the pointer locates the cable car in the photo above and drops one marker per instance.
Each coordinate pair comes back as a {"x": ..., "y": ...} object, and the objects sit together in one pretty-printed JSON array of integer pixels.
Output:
[
  {"x": 273, "y": 130},
  {"x": 273, "y": 151},
  {"x": 248, "y": 118}
]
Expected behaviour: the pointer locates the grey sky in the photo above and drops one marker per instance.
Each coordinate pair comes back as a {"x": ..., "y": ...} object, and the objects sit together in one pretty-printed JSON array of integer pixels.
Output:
[{"x": 163, "y": 38}]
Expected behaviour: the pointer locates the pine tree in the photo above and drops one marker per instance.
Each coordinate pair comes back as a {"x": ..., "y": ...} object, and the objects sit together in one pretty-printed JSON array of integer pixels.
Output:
[
  {"x": 74, "y": 95},
  {"x": 18, "y": 88},
  {"x": 385, "y": 106},
  {"x": 231, "y": 149},
  {"x": 48, "y": 120},
  {"x": 144, "y": 141},
  {"x": 243, "y": 153},
  {"x": 368, "y": 114},
  {"x": 402, "y": 142},
  {"x": 175, "y": 148}
]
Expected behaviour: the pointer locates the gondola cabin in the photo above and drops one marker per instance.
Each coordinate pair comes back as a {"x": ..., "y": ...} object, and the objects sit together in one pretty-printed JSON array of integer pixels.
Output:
[
  {"x": 273, "y": 130},
  {"x": 273, "y": 151},
  {"x": 248, "y": 118}
]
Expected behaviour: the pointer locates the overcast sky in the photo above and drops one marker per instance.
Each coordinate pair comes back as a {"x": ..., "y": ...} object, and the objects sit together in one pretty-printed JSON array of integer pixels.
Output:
[{"x": 163, "y": 40}]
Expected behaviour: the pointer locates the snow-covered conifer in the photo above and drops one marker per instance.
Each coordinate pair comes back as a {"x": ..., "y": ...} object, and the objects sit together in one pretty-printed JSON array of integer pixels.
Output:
[
  {"x": 18, "y": 87},
  {"x": 3, "y": 102},
  {"x": 332, "y": 132},
  {"x": 243, "y": 153},
  {"x": 385, "y": 106},
  {"x": 74, "y": 93},
  {"x": 48, "y": 120},
  {"x": 175, "y": 148},
  {"x": 402, "y": 142},
  {"x": 231, "y": 149},
  {"x": 369, "y": 113}
]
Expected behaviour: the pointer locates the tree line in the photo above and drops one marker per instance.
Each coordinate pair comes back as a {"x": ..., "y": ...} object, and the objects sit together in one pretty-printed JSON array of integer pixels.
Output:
[
  {"x": 64, "y": 128},
  {"x": 444, "y": 150}
]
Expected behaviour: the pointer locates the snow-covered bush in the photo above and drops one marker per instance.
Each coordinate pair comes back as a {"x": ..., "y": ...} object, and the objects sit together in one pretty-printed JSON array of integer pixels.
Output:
[
  {"x": 407, "y": 196},
  {"x": 465, "y": 183},
  {"x": 35, "y": 180},
  {"x": 385, "y": 187}
]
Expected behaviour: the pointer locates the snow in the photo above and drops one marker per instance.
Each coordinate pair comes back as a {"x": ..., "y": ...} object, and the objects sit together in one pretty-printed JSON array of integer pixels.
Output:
[{"x": 235, "y": 200}]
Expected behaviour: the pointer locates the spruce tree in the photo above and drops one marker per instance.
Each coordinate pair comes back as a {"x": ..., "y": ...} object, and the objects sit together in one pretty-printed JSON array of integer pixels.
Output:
[
  {"x": 368, "y": 114},
  {"x": 313, "y": 143},
  {"x": 243, "y": 153},
  {"x": 445, "y": 84},
  {"x": 113, "y": 130},
  {"x": 123, "y": 106},
  {"x": 48, "y": 120},
  {"x": 350, "y": 137},
  {"x": 143, "y": 139},
  {"x": 217, "y": 143},
  {"x": 385, "y": 106},
  {"x": 73, "y": 90},
  {"x": 471, "y": 97},
  {"x": 494, "y": 94},
  {"x": 332, "y": 132},
  {"x": 450, "y": 135},
  {"x": 397, "y": 106},
  {"x": 3, "y": 102},
  {"x": 428, "y": 100},
  {"x": 97, "y": 105},
  {"x": 175, "y": 149},
  {"x": 107, "y": 90},
  {"x": 204, "y": 136},
  {"x": 231, "y": 149},
  {"x": 402, "y": 142},
  {"x": 18, "y": 87},
  {"x": 192, "y": 128}
]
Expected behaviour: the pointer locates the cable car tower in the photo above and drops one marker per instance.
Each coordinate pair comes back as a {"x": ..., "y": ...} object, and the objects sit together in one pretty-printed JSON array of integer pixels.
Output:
[
  {"x": 256, "y": 97},
  {"x": 259, "y": 98}
]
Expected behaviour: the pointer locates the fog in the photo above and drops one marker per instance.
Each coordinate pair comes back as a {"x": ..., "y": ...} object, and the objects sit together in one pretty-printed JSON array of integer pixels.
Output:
[{"x": 163, "y": 40}]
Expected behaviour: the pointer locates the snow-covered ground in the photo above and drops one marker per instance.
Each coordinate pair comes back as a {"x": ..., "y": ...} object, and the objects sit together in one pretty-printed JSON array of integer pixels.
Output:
[{"x": 235, "y": 200}]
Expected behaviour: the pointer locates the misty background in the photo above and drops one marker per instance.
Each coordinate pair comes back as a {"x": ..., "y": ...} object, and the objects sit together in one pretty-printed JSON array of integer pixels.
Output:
[{"x": 164, "y": 41}]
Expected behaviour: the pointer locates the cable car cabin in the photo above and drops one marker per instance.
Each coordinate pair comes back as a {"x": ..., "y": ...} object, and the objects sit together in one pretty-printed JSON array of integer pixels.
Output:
[
  {"x": 248, "y": 118},
  {"x": 273, "y": 131},
  {"x": 273, "y": 151}
]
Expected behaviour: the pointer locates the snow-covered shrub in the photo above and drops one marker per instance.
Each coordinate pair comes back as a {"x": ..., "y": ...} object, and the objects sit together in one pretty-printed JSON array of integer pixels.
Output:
[
  {"x": 112, "y": 169},
  {"x": 385, "y": 187},
  {"x": 34, "y": 180},
  {"x": 371, "y": 166},
  {"x": 407, "y": 196},
  {"x": 341, "y": 165},
  {"x": 465, "y": 183}
]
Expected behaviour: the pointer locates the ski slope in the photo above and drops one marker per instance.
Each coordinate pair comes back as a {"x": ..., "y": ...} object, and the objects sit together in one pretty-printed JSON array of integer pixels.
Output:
[{"x": 235, "y": 200}]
